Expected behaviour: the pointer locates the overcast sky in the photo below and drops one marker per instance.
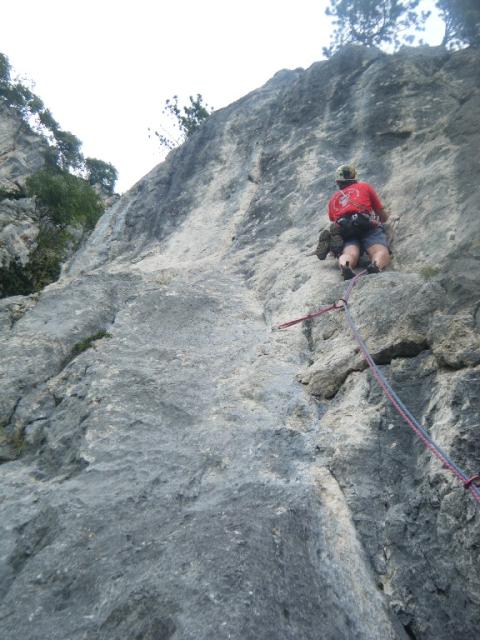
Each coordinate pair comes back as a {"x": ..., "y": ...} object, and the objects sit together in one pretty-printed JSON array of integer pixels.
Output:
[{"x": 104, "y": 68}]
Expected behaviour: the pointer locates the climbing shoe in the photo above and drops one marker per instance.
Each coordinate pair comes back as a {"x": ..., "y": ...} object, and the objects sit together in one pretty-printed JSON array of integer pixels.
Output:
[
  {"x": 323, "y": 246},
  {"x": 347, "y": 273},
  {"x": 336, "y": 240},
  {"x": 372, "y": 268},
  {"x": 329, "y": 240}
]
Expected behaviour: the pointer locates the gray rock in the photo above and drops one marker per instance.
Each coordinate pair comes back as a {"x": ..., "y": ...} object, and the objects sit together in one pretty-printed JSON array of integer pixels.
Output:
[
  {"x": 22, "y": 151},
  {"x": 19, "y": 228},
  {"x": 173, "y": 477}
]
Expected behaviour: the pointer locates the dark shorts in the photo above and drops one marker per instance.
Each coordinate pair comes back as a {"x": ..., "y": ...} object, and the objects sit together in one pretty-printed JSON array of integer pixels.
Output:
[{"x": 375, "y": 236}]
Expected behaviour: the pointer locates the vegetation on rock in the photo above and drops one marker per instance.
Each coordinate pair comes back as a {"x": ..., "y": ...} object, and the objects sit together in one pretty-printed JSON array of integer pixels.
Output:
[
  {"x": 87, "y": 343},
  {"x": 64, "y": 148},
  {"x": 66, "y": 190},
  {"x": 42, "y": 268},
  {"x": 101, "y": 173},
  {"x": 67, "y": 199},
  {"x": 185, "y": 119}
]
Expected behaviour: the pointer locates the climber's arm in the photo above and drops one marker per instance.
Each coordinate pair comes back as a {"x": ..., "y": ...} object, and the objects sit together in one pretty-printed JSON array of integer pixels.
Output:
[{"x": 383, "y": 214}]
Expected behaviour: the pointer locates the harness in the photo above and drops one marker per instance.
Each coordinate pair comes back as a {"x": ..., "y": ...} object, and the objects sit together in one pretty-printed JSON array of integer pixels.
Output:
[{"x": 357, "y": 224}]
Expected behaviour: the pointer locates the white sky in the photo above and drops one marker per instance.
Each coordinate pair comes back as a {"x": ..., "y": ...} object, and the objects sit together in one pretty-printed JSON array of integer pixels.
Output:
[{"x": 104, "y": 68}]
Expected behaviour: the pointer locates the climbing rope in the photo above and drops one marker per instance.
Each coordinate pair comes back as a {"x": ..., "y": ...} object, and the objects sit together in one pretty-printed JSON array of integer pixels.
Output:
[
  {"x": 309, "y": 316},
  {"x": 472, "y": 483}
]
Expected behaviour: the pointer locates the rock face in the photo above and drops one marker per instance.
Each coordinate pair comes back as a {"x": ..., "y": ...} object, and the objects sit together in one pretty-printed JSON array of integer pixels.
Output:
[
  {"x": 193, "y": 474},
  {"x": 19, "y": 228},
  {"x": 22, "y": 153}
]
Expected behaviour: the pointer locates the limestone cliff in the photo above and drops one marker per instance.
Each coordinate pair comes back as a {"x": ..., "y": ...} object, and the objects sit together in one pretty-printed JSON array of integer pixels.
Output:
[
  {"x": 195, "y": 475},
  {"x": 45, "y": 210},
  {"x": 22, "y": 153}
]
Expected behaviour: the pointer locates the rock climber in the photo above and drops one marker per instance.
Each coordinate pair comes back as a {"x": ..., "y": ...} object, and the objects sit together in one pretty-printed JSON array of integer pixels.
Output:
[{"x": 357, "y": 216}]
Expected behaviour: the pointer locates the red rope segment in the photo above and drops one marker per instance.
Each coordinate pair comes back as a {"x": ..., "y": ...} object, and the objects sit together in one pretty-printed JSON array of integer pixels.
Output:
[
  {"x": 314, "y": 314},
  {"x": 333, "y": 307},
  {"x": 471, "y": 484},
  {"x": 473, "y": 480}
]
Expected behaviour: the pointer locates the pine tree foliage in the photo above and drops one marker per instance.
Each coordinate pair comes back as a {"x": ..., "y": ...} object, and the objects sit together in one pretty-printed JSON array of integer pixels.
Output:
[
  {"x": 374, "y": 23},
  {"x": 64, "y": 152},
  {"x": 101, "y": 173},
  {"x": 462, "y": 22}
]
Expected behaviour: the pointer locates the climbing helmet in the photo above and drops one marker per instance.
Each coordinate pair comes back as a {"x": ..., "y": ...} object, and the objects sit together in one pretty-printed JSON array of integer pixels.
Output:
[{"x": 345, "y": 172}]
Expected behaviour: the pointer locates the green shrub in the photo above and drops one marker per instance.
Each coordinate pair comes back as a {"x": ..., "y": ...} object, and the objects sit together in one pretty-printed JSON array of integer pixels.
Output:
[
  {"x": 68, "y": 199},
  {"x": 46, "y": 259},
  {"x": 428, "y": 272},
  {"x": 14, "y": 281},
  {"x": 87, "y": 343}
]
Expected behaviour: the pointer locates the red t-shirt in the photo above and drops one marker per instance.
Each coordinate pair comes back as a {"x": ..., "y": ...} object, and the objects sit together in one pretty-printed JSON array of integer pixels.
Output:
[{"x": 359, "y": 196}]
